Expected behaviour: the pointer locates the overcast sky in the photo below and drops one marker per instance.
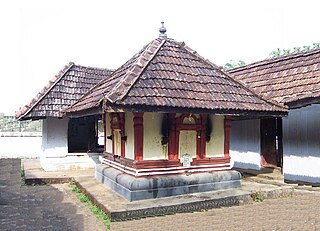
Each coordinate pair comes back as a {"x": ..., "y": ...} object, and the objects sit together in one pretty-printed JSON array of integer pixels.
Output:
[{"x": 39, "y": 37}]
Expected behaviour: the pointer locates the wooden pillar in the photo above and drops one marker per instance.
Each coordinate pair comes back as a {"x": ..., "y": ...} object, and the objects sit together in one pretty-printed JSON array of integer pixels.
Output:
[
  {"x": 122, "y": 127},
  {"x": 201, "y": 137},
  {"x": 227, "y": 128},
  {"x": 104, "y": 131},
  {"x": 280, "y": 144},
  {"x": 138, "y": 135},
  {"x": 172, "y": 145}
]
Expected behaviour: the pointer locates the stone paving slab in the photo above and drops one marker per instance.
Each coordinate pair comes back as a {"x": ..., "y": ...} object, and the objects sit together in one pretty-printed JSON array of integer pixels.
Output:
[
  {"x": 47, "y": 207},
  {"x": 299, "y": 212}
]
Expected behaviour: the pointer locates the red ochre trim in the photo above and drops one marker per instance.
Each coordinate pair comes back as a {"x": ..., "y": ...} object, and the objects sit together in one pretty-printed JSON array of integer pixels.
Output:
[
  {"x": 138, "y": 135},
  {"x": 149, "y": 164},
  {"x": 145, "y": 164},
  {"x": 210, "y": 161},
  {"x": 227, "y": 128},
  {"x": 162, "y": 167}
]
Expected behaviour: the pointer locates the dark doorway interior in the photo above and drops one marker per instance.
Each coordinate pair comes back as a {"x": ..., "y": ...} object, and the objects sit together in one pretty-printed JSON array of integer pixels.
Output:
[
  {"x": 82, "y": 134},
  {"x": 271, "y": 142}
]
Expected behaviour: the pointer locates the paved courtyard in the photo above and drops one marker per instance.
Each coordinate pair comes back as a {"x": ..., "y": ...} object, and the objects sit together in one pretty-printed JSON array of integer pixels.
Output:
[
  {"x": 300, "y": 212},
  {"x": 49, "y": 207},
  {"x": 55, "y": 207}
]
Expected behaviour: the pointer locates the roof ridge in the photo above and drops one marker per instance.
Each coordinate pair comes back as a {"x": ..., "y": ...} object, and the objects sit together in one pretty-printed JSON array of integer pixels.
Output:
[
  {"x": 195, "y": 53},
  {"x": 121, "y": 89},
  {"x": 94, "y": 68},
  {"x": 276, "y": 59},
  {"x": 27, "y": 108}
]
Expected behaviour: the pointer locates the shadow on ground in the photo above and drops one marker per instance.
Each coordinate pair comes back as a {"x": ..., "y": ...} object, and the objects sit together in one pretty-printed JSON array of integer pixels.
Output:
[{"x": 33, "y": 207}]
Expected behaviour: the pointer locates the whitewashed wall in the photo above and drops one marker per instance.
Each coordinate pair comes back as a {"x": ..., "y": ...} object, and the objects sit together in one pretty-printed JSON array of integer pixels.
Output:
[
  {"x": 130, "y": 135},
  {"x": 20, "y": 145},
  {"x": 55, "y": 156},
  {"x": 55, "y": 137},
  {"x": 215, "y": 147},
  {"x": 245, "y": 144},
  {"x": 152, "y": 147},
  {"x": 301, "y": 144}
]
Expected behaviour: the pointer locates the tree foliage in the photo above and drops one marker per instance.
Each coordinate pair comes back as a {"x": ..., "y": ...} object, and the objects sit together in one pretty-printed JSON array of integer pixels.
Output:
[
  {"x": 233, "y": 64},
  {"x": 283, "y": 52}
]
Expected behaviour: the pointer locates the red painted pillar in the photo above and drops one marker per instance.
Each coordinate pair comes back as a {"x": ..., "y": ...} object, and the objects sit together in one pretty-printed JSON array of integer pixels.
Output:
[
  {"x": 138, "y": 135},
  {"x": 202, "y": 140},
  {"x": 122, "y": 127},
  {"x": 172, "y": 145},
  {"x": 227, "y": 128}
]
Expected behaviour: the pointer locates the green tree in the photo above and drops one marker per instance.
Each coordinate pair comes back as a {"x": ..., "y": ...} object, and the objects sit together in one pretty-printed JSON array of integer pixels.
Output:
[{"x": 233, "y": 64}]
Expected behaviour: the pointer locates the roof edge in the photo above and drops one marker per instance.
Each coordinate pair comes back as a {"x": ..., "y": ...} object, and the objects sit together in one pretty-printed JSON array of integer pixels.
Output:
[
  {"x": 274, "y": 103},
  {"x": 274, "y": 60},
  {"x": 166, "y": 109},
  {"x": 26, "y": 109}
]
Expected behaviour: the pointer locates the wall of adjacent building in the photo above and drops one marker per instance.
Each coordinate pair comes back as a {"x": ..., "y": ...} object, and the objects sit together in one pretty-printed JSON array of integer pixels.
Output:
[
  {"x": 29, "y": 144},
  {"x": 55, "y": 156},
  {"x": 215, "y": 147},
  {"x": 245, "y": 144},
  {"x": 301, "y": 144},
  {"x": 55, "y": 137}
]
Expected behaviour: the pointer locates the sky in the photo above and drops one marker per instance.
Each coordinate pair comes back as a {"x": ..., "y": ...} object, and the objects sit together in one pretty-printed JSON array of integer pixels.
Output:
[{"x": 38, "y": 37}]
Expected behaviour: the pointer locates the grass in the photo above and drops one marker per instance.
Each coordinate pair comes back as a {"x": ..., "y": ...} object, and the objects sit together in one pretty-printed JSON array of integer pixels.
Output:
[
  {"x": 257, "y": 196},
  {"x": 100, "y": 214},
  {"x": 23, "y": 177}
]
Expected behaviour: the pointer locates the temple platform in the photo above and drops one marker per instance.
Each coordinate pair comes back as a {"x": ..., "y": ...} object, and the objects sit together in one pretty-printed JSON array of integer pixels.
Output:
[
  {"x": 140, "y": 188},
  {"x": 119, "y": 208}
]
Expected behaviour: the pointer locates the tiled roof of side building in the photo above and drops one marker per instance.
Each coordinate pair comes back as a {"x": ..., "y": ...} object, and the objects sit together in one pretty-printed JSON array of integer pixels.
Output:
[
  {"x": 290, "y": 79},
  {"x": 168, "y": 75},
  {"x": 63, "y": 90}
]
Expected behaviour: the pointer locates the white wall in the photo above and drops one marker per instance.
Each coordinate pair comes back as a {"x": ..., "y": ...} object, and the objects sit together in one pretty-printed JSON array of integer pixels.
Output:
[
  {"x": 152, "y": 148},
  {"x": 55, "y": 137},
  {"x": 20, "y": 145},
  {"x": 301, "y": 144},
  {"x": 245, "y": 144},
  {"x": 215, "y": 147}
]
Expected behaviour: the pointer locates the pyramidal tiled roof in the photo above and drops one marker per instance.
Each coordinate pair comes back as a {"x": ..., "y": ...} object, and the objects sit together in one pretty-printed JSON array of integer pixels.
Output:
[
  {"x": 288, "y": 79},
  {"x": 167, "y": 75},
  {"x": 63, "y": 90}
]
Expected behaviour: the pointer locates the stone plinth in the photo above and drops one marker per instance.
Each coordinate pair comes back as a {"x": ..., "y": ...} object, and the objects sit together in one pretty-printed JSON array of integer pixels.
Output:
[{"x": 139, "y": 188}]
